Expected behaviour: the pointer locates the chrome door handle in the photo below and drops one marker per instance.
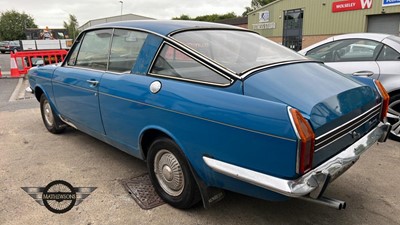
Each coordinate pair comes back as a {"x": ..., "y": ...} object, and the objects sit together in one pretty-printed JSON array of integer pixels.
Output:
[
  {"x": 363, "y": 73},
  {"x": 93, "y": 82}
]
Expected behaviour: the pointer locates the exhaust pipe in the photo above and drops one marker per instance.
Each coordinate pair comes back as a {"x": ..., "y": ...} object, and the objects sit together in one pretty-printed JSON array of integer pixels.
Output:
[{"x": 334, "y": 203}]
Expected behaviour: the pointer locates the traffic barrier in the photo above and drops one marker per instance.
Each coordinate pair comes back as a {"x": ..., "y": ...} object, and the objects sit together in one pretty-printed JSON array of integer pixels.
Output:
[
  {"x": 0, "y": 72},
  {"x": 21, "y": 62}
]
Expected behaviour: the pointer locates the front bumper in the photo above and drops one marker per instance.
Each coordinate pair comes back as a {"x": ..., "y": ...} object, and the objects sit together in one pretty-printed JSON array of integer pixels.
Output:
[{"x": 315, "y": 181}]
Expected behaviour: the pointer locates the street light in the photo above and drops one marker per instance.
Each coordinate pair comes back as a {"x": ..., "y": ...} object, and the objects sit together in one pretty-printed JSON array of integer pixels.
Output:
[{"x": 122, "y": 4}]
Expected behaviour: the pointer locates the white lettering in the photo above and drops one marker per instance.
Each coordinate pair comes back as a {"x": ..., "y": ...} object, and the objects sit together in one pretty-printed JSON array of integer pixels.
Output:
[{"x": 366, "y": 4}]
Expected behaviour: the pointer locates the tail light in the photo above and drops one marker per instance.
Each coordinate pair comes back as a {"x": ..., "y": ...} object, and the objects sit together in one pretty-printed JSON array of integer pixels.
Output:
[
  {"x": 385, "y": 97},
  {"x": 304, "y": 132}
]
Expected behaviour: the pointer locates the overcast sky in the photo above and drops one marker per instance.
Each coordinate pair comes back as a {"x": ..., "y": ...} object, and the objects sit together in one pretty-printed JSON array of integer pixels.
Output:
[{"x": 52, "y": 13}]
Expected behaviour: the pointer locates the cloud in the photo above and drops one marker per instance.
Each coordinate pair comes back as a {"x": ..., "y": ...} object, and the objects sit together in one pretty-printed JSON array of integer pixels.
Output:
[{"x": 53, "y": 13}]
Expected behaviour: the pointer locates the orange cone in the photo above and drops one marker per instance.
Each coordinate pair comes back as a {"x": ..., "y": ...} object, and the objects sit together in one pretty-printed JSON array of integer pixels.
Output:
[{"x": 13, "y": 66}]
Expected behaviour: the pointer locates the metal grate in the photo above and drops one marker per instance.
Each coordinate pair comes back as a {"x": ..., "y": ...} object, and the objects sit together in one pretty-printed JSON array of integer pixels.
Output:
[{"x": 143, "y": 192}]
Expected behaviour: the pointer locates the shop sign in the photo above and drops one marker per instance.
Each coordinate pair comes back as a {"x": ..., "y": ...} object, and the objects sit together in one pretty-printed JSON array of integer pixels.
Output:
[
  {"x": 263, "y": 17},
  {"x": 390, "y": 2},
  {"x": 350, "y": 5},
  {"x": 264, "y": 26}
]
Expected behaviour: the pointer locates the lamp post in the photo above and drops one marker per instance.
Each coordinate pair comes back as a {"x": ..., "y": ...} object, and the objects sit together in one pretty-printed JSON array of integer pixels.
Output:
[{"x": 122, "y": 5}]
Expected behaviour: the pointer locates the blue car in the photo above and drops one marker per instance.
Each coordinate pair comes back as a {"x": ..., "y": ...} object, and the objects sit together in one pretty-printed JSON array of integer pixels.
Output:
[{"x": 212, "y": 107}]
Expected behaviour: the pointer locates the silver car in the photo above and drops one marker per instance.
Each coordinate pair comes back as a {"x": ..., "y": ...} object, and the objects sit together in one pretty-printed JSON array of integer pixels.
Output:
[{"x": 365, "y": 54}]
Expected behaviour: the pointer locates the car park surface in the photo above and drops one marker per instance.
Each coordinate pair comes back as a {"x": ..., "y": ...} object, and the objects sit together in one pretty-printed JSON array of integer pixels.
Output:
[
  {"x": 32, "y": 157},
  {"x": 262, "y": 129},
  {"x": 365, "y": 54}
]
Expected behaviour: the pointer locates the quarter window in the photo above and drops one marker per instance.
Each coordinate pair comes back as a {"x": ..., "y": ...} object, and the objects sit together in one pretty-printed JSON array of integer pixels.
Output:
[
  {"x": 125, "y": 49},
  {"x": 174, "y": 63},
  {"x": 94, "y": 50},
  {"x": 388, "y": 54}
]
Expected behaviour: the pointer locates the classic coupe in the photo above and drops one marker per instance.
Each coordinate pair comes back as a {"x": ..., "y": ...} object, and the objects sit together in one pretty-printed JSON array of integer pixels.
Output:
[{"x": 212, "y": 107}]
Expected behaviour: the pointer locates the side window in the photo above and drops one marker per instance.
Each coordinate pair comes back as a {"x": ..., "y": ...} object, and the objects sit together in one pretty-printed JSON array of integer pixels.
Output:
[
  {"x": 173, "y": 63},
  {"x": 94, "y": 49},
  {"x": 388, "y": 54},
  {"x": 346, "y": 51},
  {"x": 125, "y": 48},
  {"x": 72, "y": 57}
]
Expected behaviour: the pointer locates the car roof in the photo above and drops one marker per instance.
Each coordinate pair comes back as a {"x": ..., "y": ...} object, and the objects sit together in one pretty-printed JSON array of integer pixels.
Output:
[
  {"x": 164, "y": 27},
  {"x": 371, "y": 36}
]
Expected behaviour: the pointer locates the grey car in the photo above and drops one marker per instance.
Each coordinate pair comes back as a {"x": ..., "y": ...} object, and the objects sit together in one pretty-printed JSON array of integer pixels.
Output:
[
  {"x": 9, "y": 46},
  {"x": 365, "y": 54}
]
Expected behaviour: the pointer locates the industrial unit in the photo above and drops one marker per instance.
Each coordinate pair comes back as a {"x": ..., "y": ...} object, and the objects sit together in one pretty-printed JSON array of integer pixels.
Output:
[{"x": 298, "y": 24}]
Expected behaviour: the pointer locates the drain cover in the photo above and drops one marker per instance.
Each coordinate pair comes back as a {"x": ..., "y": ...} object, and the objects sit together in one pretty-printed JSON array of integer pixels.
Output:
[{"x": 141, "y": 189}]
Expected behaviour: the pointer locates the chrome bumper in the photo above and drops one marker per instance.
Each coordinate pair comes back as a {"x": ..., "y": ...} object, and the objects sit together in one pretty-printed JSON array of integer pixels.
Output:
[{"x": 315, "y": 181}]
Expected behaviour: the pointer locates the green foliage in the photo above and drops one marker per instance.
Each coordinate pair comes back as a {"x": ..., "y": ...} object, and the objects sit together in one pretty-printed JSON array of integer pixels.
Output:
[
  {"x": 13, "y": 24},
  {"x": 256, "y": 4},
  {"x": 208, "y": 18},
  {"x": 72, "y": 27}
]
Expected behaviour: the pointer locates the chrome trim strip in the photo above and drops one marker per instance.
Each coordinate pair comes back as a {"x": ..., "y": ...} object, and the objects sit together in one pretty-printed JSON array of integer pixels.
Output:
[
  {"x": 298, "y": 140},
  {"x": 197, "y": 117},
  {"x": 78, "y": 87},
  {"x": 345, "y": 131},
  {"x": 345, "y": 124},
  {"x": 310, "y": 181}
]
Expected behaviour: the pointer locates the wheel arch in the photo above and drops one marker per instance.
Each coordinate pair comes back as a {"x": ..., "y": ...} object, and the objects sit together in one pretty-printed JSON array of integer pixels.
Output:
[{"x": 149, "y": 135}]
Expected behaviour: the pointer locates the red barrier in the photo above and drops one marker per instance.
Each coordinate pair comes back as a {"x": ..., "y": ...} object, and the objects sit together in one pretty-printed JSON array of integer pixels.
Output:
[{"x": 21, "y": 62}]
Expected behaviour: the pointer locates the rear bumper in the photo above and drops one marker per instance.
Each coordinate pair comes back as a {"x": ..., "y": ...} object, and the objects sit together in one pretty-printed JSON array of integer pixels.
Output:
[{"x": 315, "y": 181}]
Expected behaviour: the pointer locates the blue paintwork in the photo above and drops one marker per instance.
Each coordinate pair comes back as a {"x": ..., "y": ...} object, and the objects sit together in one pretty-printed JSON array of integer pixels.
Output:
[{"x": 246, "y": 124}]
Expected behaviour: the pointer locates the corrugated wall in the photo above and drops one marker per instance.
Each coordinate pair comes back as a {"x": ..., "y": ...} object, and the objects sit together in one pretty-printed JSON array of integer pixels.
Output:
[{"x": 318, "y": 17}]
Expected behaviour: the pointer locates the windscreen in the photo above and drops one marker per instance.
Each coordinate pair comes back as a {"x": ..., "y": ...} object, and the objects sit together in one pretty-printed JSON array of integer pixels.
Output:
[{"x": 237, "y": 50}]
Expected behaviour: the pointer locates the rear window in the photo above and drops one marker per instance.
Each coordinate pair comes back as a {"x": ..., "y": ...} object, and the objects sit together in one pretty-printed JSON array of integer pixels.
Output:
[{"x": 237, "y": 50}]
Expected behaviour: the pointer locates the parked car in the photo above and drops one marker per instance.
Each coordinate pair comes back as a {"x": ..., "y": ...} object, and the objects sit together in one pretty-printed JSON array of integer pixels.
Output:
[
  {"x": 213, "y": 107},
  {"x": 9, "y": 46},
  {"x": 365, "y": 54}
]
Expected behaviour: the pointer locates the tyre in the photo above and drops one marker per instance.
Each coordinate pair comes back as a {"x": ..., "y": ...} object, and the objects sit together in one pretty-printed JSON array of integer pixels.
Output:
[
  {"x": 51, "y": 121},
  {"x": 393, "y": 117},
  {"x": 3, "y": 52},
  {"x": 170, "y": 174}
]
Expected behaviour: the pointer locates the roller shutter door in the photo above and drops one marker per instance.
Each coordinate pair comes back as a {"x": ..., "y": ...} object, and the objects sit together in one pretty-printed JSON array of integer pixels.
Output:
[{"x": 388, "y": 24}]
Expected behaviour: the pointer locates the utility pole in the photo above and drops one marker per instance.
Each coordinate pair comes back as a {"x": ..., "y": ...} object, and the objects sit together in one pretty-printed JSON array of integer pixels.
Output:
[{"x": 122, "y": 5}]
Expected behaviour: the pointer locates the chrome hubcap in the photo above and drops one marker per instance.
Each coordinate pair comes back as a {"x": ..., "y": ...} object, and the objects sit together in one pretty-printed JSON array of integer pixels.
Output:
[
  {"x": 394, "y": 117},
  {"x": 48, "y": 114},
  {"x": 169, "y": 173}
]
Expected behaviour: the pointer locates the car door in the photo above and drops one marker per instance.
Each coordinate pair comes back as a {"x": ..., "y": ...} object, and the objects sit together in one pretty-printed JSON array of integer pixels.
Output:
[
  {"x": 389, "y": 64},
  {"x": 76, "y": 83},
  {"x": 355, "y": 57}
]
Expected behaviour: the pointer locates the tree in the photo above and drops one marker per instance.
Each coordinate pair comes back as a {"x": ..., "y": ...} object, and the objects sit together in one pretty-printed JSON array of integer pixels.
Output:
[
  {"x": 13, "y": 25},
  {"x": 72, "y": 27},
  {"x": 256, "y": 4},
  {"x": 208, "y": 18}
]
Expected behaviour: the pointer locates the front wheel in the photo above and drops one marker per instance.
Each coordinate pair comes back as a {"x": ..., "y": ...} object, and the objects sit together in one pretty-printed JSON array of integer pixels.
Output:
[
  {"x": 170, "y": 174},
  {"x": 50, "y": 120},
  {"x": 393, "y": 117}
]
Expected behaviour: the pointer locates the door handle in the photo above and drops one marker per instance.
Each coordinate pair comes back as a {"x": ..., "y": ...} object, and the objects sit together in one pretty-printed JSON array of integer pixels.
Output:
[
  {"x": 363, "y": 73},
  {"x": 94, "y": 83}
]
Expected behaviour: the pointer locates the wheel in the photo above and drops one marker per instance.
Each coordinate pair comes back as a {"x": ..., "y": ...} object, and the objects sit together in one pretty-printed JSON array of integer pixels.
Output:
[
  {"x": 393, "y": 117},
  {"x": 170, "y": 174},
  {"x": 52, "y": 122},
  {"x": 3, "y": 52}
]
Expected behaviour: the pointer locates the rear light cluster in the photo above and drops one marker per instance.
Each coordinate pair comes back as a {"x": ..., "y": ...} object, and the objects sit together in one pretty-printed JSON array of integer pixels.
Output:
[
  {"x": 304, "y": 132},
  {"x": 385, "y": 97}
]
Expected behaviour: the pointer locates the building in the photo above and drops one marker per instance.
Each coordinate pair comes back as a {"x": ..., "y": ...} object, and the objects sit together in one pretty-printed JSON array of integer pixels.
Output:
[
  {"x": 298, "y": 24},
  {"x": 113, "y": 19},
  {"x": 238, "y": 21}
]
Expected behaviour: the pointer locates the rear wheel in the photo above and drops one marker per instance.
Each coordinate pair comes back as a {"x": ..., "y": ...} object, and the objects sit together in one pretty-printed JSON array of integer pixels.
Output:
[
  {"x": 50, "y": 120},
  {"x": 393, "y": 117},
  {"x": 170, "y": 174}
]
